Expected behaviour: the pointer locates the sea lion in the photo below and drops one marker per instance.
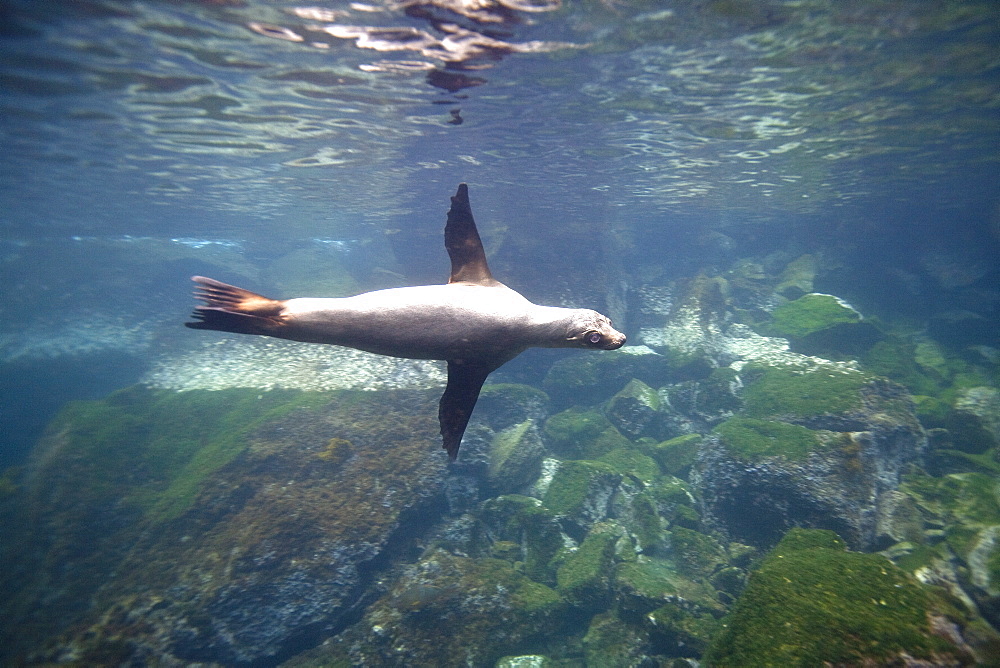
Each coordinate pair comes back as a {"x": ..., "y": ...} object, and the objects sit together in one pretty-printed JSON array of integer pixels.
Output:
[{"x": 474, "y": 322}]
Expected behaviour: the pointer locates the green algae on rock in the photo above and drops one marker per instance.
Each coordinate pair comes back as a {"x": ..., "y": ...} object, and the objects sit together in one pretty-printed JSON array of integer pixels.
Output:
[
  {"x": 825, "y": 441},
  {"x": 811, "y": 602},
  {"x": 584, "y": 576},
  {"x": 581, "y": 491},
  {"x": 812, "y": 313},
  {"x": 488, "y": 609},
  {"x": 276, "y": 523},
  {"x": 514, "y": 457},
  {"x": 612, "y": 643},
  {"x": 580, "y": 433},
  {"x": 754, "y": 439},
  {"x": 676, "y": 455},
  {"x": 634, "y": 409},
  {"x": 629, "y": 461},
  {"x": 524, "y": 521},
  {"x": 789, "y": 391},
  {"x": 154, "y": 448},
  {"x": 967, "y": 548}
]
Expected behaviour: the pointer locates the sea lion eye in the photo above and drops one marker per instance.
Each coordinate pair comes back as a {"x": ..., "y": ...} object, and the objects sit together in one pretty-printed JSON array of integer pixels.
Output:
[{"x": 594, "y": 338}]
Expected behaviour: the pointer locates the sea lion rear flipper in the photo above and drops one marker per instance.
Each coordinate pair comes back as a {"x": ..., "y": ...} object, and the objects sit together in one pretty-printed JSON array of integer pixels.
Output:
[
  {"x": 232, "y": 309},
  {"x": 465, "y": 380},
  {"x": 465, "y": 248}
]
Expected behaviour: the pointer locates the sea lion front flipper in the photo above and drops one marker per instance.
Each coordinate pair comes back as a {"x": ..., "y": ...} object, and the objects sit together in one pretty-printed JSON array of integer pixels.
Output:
[
  {"x": 465, "y": 248},
  {"x": 465, "y": 380}
]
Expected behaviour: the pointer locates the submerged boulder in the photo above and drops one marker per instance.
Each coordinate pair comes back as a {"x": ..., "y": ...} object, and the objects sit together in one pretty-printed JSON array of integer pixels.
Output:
[
  {"x": 447, "y": 610},
  {"x": 960, "y": 547},
  {"x": 817, "y": 323},
  {"x": 225, "y": 527},
  {"x": 811, "y": 602},
  {"x": 817, "y": 446}
]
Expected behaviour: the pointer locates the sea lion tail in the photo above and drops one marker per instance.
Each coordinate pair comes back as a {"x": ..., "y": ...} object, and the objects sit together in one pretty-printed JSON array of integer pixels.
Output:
[{"x": 232, "y": 309}]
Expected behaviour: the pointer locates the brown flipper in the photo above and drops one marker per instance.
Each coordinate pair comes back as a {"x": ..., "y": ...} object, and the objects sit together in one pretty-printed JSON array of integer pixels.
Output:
[
  {"x": 465, "y": 380},
  {"x": 232, "y": 309},
  {"x": 465, "y": 248}
]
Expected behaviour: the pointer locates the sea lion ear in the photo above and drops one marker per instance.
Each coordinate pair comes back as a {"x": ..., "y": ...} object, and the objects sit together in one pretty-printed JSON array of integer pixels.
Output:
[{"x": 465, "y": 248}]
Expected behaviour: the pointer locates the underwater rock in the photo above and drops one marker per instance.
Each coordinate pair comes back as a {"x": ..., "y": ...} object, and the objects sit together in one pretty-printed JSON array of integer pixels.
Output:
[
  {"x": 487, "y": 608},
  {"x": 648, "y": 583},
  {"x": 596, "y": 376},
  {"x": 817, "y": 323},
  {"x": 811, "y": 602},
  {"x": 977, "y": 418},
  {"x": 580, "y": 433},
  {"x": 229, "y": 527},
  {"x": 584, "y": 576},
  {"x": 612, "y": 643},
  {"x": 814, "y": 446},
  {"x": 961, "y": 544},
  {"x": 581, "y": 493},
  {"x": 676, "y": 456},
  {"x": 812, "y": 313},
  {"x": 634, "y": 409},
  {"x": 295, "y": 273},
  {"x": 630, "y": 461},
  {"x": 525, "y": 522},
  {"x": 697, "y": 405},
  {"x": 503, "y": 405},
  {"x": 693, "y": 336},
  {"x": 515, "y": 457},
  {"x": 525, "y": 661},
  {"x": 797, "y": 277}
]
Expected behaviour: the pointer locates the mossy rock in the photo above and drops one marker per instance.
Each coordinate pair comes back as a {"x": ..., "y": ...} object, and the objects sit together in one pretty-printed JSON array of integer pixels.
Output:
[
  {"x": 584, "y": 577},
  {"x": 515, "y": 457},
  {"x": 525, "y": 521},
  {"x": 894, "y": 358},
  {"x": 645, "y": 524},
  {"x": 592, "y": 378},
  {"x": 649, "y": 583},
  {"x": 813, "y": 603},
  {"x": 496, "y": 611},
  {"x": 502, "y": 405},
  {"x": 967, "y": 505},
  {"x": 645, "y": 584},
  {"x": 578, "y": 433},
  {"x": 794, "y": 392},
  {"x": 696, "y": 555},
  {"x": 581, "y": 491},
  {"x": 671, "y": 494},
  {"x": 797, "y": 278},
  {"x": 634, "y": 409},
  {"x": 752, "y": 439},
  {"x": 812, "y": 313},
  {"x": 613, "y": 643},
  {"x": 153, "y": 449},
  {"x": 687, "y": 630},
  {"x": 629, "y": 461},
  {"x": 677, "y": 455}
]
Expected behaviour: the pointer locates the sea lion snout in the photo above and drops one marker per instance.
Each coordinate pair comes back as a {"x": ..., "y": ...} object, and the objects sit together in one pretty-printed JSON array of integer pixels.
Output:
[
  {"x": 595, "y": 331},
  {"x": 614, "y": 342},
  {"x": 607, "y": 339}
]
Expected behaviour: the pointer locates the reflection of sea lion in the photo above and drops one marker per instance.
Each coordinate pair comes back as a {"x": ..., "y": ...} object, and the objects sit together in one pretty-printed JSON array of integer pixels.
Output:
[{"x": 474, "y": 322}]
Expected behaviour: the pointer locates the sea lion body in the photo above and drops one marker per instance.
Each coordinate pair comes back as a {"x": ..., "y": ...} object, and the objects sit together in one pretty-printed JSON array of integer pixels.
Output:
[
  {"x": 474, "y": 322},
  {"x": 437, "y": 322}
]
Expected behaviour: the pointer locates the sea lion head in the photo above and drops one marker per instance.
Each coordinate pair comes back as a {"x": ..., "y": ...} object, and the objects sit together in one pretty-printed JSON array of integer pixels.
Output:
[{"x": 590, "y": 329}]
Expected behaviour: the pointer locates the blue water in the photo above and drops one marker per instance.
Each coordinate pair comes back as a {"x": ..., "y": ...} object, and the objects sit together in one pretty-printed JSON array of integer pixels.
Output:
[{"x": 610, "y": 147}]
